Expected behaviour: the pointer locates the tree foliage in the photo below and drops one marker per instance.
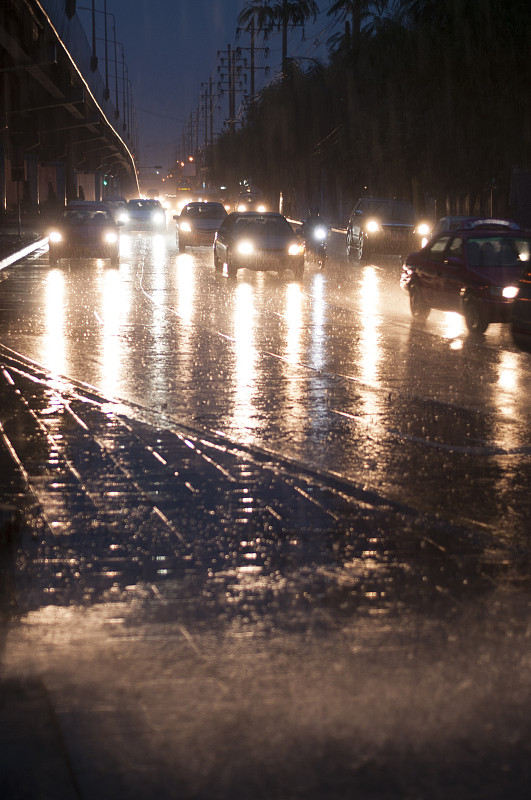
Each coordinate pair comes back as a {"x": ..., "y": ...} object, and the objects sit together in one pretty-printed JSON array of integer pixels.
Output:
[{"x": 431, "y": 103}]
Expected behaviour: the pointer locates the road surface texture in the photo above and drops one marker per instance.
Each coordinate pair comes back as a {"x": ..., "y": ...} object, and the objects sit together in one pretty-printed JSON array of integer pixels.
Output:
[{"x": 234, "y": 569}]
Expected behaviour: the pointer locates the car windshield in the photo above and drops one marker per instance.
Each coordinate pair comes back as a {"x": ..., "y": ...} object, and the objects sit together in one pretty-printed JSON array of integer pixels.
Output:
[
  {"x": 144, "y": 204},
  {"x": 498, "y": 251},
  {"x": 206, "y": 210},
  {"x": 391, "y": 210},
  {"x": 262, "y": 226},
  {"x": 82, "y": 216}
]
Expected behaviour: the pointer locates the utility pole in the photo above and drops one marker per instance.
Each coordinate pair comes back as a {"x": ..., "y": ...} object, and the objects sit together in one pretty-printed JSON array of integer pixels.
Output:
[
  {"x": 284, "y": 36},
  {"x": 231, "y": 80}
]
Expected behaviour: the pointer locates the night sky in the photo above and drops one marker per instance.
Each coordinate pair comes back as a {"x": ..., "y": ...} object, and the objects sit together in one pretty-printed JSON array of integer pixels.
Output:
[{"x": 171, "y": 48}]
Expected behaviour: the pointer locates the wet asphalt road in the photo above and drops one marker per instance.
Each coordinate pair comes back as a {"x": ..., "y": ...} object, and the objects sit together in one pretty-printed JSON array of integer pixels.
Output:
[{"x": 277, "y": 535}]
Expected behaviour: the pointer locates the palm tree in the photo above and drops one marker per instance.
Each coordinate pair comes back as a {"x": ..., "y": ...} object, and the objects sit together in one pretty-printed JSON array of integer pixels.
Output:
[
  {"x": 259, "y": 15},
  {"x": 283, "y": 15},
  {"x": 354, "y": 13}
]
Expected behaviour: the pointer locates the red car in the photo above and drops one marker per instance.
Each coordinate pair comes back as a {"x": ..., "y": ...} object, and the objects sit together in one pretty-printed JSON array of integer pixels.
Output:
[{"x": 474, "y": 271}]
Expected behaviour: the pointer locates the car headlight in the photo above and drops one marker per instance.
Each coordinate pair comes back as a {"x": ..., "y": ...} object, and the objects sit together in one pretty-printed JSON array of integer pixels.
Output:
[
  {"x": 372, "y": 226},
  {"x": 110, "y": 237},
  {"x": 296, "y": 249},
  {"x": 423, "y": 229},
  {"x": 510, "y": 292},
  {"x": 122, "y": 216},
  {"x": 242, "y": 207},
  {"x": 261, "y": 208},
  {"x": 185, "y": 227},
  {"x": 55, "y": 237},
  {"x": 245, "y": 248}
]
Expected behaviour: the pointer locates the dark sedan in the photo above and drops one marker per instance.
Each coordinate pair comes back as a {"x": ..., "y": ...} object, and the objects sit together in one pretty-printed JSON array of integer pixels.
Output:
[
  {"x": 256, "y": 241},
  {"x": 383, "y": 225},
  {"x": 85, "y": 230},
  {"x": 473, "y": 271}
]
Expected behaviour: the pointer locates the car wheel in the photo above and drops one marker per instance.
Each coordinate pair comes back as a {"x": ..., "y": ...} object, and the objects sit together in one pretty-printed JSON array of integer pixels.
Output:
[
  {"x": 355, "y": 249},
  {"x": 419, "y": 308},
  {"x": 52, "y": 258},
  {"x": 351, "y": 250},
  {"x": 218, "y": 264},
  {"x": 475, "y": 316},
  {"x": 115, "y": 261},
  {"x": 232, "y": 270},
  {"x": 182, "y": 246}
]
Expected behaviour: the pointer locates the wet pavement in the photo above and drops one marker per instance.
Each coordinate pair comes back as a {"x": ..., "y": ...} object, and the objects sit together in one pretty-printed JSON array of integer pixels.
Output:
[{"x": 200, "y": 610}]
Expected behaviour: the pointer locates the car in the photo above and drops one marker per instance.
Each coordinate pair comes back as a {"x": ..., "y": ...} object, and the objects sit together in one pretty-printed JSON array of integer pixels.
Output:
[
  {"x": 473, "y": 271},
  {"x": 382, "y": 225},
  {"x": 118, "y": 208},
  {"x": 250, "y": 201},
  {"x": 197, "y": 224},
  {"x": 146, "y": 214},
  {"x": 453, "y": 223},
  {"x": 521, "y": 311},
  {"x": 85, "y": 229},
  {"x": 250, "y": 240}
]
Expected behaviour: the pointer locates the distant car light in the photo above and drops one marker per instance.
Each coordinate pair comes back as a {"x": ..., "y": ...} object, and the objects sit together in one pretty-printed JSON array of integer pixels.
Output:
[
  {"x": 510, "y": 292},
  {"x": 261, "y": 209},
  {"x": 245, "y": 248},
  {"x": 55, "y": 236},
  {"x": 242, "y": 207},
  {"x": 372, "y": 226},
  {"x": 158, "y": 217},
  {"x": 296, "y": 249},
  {"x": 423, "y": 229}
]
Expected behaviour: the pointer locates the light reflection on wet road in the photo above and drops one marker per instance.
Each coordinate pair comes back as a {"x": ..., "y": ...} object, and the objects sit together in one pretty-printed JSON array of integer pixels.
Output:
[
  {"x": 331, "y": 371},
  {"x": 306, "y": 513}
]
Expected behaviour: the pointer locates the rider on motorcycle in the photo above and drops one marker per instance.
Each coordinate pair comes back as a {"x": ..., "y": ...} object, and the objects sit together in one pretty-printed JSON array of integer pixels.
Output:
[{"x": 315, "y": 233}]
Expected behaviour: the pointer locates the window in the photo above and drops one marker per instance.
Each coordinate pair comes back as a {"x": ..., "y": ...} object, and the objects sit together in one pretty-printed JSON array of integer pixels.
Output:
[
  {"x": 456, "y": 248},
  {"x": 438, "y": 248}
]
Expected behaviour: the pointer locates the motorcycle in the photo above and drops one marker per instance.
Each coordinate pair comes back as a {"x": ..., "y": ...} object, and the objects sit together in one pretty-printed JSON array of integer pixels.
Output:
[{"x": 315, "y": 239}]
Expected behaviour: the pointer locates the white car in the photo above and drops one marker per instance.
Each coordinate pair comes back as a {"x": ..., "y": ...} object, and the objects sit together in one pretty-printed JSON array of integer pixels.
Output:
[
  {"x": 146, "y": 215},
  {"x": 197, "y": 224}
]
